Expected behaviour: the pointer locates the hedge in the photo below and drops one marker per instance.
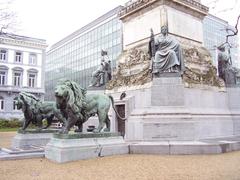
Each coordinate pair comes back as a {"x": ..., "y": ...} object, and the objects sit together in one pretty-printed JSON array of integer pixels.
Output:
[{"x": 14, "y": 123}]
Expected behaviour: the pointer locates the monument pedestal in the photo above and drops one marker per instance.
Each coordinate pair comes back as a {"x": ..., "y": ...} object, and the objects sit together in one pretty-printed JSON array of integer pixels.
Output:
[
  {"x": 72, "y": 147},
  {"x": 168, "y": 111},
  {"x": 32, "y": 138},
  {"x": 167, "y": 91}
]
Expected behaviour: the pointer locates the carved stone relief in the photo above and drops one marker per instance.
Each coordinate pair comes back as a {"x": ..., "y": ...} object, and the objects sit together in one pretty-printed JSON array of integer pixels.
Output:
[
  {"x": 133, "y": 68},
  {"x": 199, "y": 68}
]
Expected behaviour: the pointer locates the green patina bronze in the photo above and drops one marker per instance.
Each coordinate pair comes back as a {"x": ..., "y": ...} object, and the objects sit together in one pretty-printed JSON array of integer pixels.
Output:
[
  {"x": 34, "y": 131},
  {"x": 225, "y": 69},
  {"x": 103, "y": 73},
  {"x": 85, "y": 135},
  {"x": 77, "y": 106},
  {"x": 35, "y": 111}
]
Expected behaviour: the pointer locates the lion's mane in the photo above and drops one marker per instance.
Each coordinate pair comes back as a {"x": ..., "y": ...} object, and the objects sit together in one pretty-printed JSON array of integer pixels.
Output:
[
  {"x": 30, "y": 102},
  {"x": 79, "y": 93}
]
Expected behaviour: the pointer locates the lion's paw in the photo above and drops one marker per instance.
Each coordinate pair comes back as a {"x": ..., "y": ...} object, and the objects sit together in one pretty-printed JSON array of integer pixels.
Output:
[
  {"x": 96, "y": 131},
  {"x": 78, "y": 130},
  {"x": 63, "y": 131},
  {"x": 106, "y": 130}
]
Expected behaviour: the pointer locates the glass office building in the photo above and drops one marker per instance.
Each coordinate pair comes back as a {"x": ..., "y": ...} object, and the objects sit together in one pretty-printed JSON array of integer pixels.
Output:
[
  {"x": 79, "y": 54},
  {"x": 214, "y": 34}
]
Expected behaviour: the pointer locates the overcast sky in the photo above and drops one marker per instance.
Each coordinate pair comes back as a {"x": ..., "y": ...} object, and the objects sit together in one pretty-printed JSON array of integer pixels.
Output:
[{"x": 54, "y": 19}]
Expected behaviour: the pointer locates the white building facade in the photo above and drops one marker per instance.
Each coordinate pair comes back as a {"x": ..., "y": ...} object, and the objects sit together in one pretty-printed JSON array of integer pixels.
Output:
[{"x": 22, "y": 62}]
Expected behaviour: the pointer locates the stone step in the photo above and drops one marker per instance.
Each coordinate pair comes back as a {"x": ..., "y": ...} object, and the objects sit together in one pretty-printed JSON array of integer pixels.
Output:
[
  {"x": 205, "y": 146},
  {"x": 6, "y": 156},
  {"x": 21, "y": 153},
  {"x": 29, "y": 149},
  {"x": 209, "y": 146}
]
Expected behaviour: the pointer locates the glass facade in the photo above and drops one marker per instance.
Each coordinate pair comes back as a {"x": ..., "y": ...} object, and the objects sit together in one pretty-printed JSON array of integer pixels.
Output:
[
  {"x": 77, "y": 57},
  {"x": 214, "y": 34},
  {"x": 79, "y": 54}
]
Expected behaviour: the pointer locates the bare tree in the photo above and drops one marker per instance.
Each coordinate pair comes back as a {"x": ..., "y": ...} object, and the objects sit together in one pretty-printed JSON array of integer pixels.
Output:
[
  {"x": 7, "y": 17},
  {"x": 233, "y": 32}
]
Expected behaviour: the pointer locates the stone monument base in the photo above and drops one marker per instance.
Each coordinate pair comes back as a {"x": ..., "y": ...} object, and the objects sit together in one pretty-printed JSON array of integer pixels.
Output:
[
  {"x": 72, "y": 147},
  {"x": 32, "y": 137},
  {"x": 168, "y": 111},
  {"x": 207, "y": 146}
]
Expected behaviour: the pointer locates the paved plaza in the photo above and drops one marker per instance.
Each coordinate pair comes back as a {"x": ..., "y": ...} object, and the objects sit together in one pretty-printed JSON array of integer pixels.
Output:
[{"x": 222, "y": 166}]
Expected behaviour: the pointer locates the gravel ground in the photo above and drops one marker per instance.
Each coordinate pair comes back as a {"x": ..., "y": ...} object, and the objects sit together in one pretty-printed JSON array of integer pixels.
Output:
[
  {"x": 6, "y": 138},
  {"x": 205, "y": 167},
  {"x": 149, "y": 167}
]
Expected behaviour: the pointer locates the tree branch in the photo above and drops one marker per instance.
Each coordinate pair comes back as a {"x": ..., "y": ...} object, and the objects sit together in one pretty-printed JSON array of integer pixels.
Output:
[
  {"x": 7, "y": 17},
  {"x": 234, "y": 33}
]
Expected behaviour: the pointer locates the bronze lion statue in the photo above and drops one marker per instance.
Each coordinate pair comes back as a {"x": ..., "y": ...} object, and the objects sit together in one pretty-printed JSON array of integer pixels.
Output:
[
  {"x": 35, "y": 111},
  {"x": 77, "y": 106}
]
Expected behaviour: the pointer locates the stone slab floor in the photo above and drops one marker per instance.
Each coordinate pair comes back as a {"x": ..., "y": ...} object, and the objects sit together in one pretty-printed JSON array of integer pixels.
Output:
[{"x": 203, "y": 167}]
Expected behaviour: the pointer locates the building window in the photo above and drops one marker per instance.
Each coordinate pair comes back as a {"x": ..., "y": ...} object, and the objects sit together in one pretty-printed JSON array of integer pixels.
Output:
[
  {"x": 3, "y": 55},
  {"x": 32, "y": 80},
  {"x": 15, "y": 104},
  {"x": 17, "y": 77},
  {"x": 33, "y": 59},
  {"x": 18, "y": 57},
  {"x": 3, "y": 77},
  {"x": 1, "y": 103}
]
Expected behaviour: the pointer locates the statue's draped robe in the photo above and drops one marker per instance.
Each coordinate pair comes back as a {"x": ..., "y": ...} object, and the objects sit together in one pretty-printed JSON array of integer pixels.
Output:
[
  {"x": 97, "y": 78},
  {"x": 168, "y": 54},
  {"x": 102, "y": 74},
  {"x": 222, "y": 64},
  {"x": 225, "y": 70}
]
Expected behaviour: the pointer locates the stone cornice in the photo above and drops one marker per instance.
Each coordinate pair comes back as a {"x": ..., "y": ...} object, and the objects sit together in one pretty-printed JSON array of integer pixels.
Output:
[
  {"x": 23, "y": 43},
  {"x": 132, "y": 8},
  {"x": 11, "y": 89}
]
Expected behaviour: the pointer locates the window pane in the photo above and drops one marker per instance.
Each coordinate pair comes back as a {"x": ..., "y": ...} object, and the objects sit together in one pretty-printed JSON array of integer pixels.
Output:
[
  {"x": 31, "y": 80},
  {"x": 18, "y": 57},
  {"x": 33, "y": 59},
  {"x": 2, "y": 77},
  {"x": 1, "y": 104},
  {"x": 17, "y": 79},
  {"x": 3, "y": 55}
]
